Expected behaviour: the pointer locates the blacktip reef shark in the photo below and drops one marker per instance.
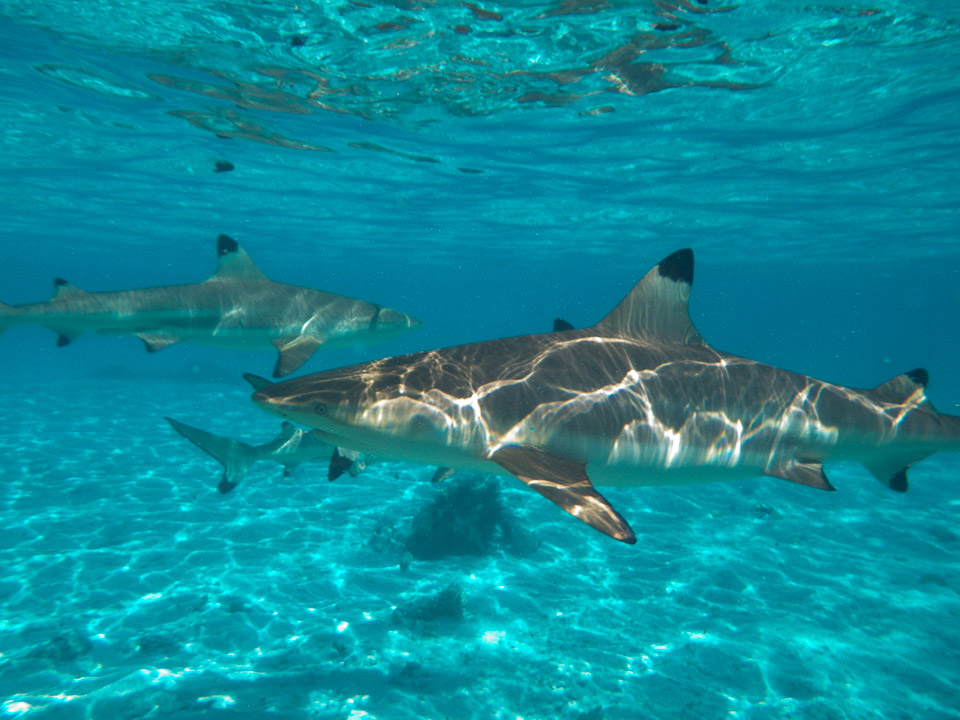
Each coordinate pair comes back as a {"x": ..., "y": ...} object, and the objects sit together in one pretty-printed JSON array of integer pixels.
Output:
[
  {"x": 640, "y": 398},
  {"x": 237, "y": 307}
]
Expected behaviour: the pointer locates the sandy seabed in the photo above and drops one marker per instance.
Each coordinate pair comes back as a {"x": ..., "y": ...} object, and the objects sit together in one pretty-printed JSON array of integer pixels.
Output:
[{"x": 132, "y": 589}]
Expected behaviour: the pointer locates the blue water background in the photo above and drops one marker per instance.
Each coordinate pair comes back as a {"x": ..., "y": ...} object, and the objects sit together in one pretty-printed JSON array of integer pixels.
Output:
[{"x": 822, "y": 206}]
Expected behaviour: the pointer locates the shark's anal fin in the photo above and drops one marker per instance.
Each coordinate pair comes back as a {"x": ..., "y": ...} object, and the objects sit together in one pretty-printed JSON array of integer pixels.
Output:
[
  {"x": 294, "y": 352},
  {"x": 804, "y": 473},
  {"x": 565, "y": 483},
  {"x": 442, "y": 474},
  {"x": 157, "y": 341},
  {"x": 892, "y": 471}
]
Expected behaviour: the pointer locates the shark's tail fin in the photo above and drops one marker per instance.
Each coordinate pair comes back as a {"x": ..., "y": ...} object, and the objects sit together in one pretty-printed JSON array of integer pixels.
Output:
[{"x": 236, "y": 457}]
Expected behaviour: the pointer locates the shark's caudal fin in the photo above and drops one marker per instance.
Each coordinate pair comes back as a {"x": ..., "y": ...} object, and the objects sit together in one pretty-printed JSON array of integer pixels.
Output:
[
  {"x": 906, "y": 390},
  {"x": 236, "y": 457},
  {"x": 657, "y": 305}
]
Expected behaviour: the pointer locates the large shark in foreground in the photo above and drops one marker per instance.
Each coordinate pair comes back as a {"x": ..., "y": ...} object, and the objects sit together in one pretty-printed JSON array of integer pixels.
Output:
[
  {"x": 638, "y": 399},
  {"x": 237, "y": 307}
]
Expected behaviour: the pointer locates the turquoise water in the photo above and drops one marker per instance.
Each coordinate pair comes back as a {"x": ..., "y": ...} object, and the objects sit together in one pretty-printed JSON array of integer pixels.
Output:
[{"x": 486, "y": 167}]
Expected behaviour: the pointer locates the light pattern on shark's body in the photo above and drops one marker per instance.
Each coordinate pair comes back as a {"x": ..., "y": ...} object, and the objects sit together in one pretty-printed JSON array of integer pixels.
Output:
[
  {"x": 237, "y": 307},
  {"x": 637, "y": 399}
]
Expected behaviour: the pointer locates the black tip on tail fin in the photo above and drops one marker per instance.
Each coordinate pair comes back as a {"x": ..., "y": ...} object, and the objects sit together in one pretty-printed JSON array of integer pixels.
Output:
[
  {"x": 678, "y": 266},
  {"x": 226, "y": 245}
]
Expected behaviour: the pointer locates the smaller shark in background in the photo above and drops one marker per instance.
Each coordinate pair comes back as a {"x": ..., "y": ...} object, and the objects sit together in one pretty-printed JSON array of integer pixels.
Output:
[
  {"x": 237, "y": 307},
  {"x": 290, "y": 448}
]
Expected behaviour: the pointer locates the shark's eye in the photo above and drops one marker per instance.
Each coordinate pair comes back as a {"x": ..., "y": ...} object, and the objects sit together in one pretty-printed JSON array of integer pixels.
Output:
[{"x": 320, "y": 409}]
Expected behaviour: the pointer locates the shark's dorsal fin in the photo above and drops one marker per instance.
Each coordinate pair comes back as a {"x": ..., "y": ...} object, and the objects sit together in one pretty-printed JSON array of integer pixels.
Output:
[
  {"x": 657, "y": 305},
  {"x": 905, "y": 389},
  {"x": 233, "y": 263},
  {"x": 561, "y": 325},
  {"x": 62, "y": 289}
]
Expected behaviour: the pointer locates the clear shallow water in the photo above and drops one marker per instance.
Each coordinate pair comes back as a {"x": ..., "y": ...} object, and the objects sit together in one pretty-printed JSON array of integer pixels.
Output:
[{"x": 487, "y": 168}]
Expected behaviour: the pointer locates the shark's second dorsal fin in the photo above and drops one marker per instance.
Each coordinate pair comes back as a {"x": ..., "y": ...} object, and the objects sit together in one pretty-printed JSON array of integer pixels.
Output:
[
  {"x": 233, "y": 263},
  {"x": 906, "y": 389},
  {"x": 62, "y": 289},
  {"x": 657, "y": 305}
]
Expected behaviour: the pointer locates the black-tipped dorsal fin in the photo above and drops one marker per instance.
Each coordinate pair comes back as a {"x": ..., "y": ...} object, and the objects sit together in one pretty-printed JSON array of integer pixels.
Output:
[
  {"x": 561, "y": 325},
  {"x": 62, "y": 289},
  {"x": 657, "y": 305},
  {"x": 905, "y": 389},
  {"x": 233, "y": 263}
]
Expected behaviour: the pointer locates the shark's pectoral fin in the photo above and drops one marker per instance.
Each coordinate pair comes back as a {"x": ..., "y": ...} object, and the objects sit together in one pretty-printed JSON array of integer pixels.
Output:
[
  {"x": 294, "y": 352},
  {"x": 806, "y": 473},
  {"x": 226, "y": 484},
  {"x": 157, "y": 341},
  {"x": 442, "y": 474},
  {"x": 339, "y": 464},
  {"x": 565, "y": 483}
]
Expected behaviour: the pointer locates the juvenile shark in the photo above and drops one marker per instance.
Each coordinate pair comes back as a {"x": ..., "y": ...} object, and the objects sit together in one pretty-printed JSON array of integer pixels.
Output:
[
  {"x": 640, "y": 398},
  {"x": 237, "y": 307},
  {"x": 291, "y": 448}
]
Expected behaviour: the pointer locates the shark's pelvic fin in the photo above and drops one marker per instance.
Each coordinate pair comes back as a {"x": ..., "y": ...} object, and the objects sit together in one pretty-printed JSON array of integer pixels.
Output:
[
  {"x": 256, "y": 381},
  {"x": 565, "y": 483},
  {"x": 806, "y": 473},
  {"x": 294, "y": 352},
  {"x": 157, "y": 341},
  {"x": 234, "y": 263},
  {"x": 339, "y": 464},
  {"x": 657, "y": 305},
  {"x": 442, "y": 474}
]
